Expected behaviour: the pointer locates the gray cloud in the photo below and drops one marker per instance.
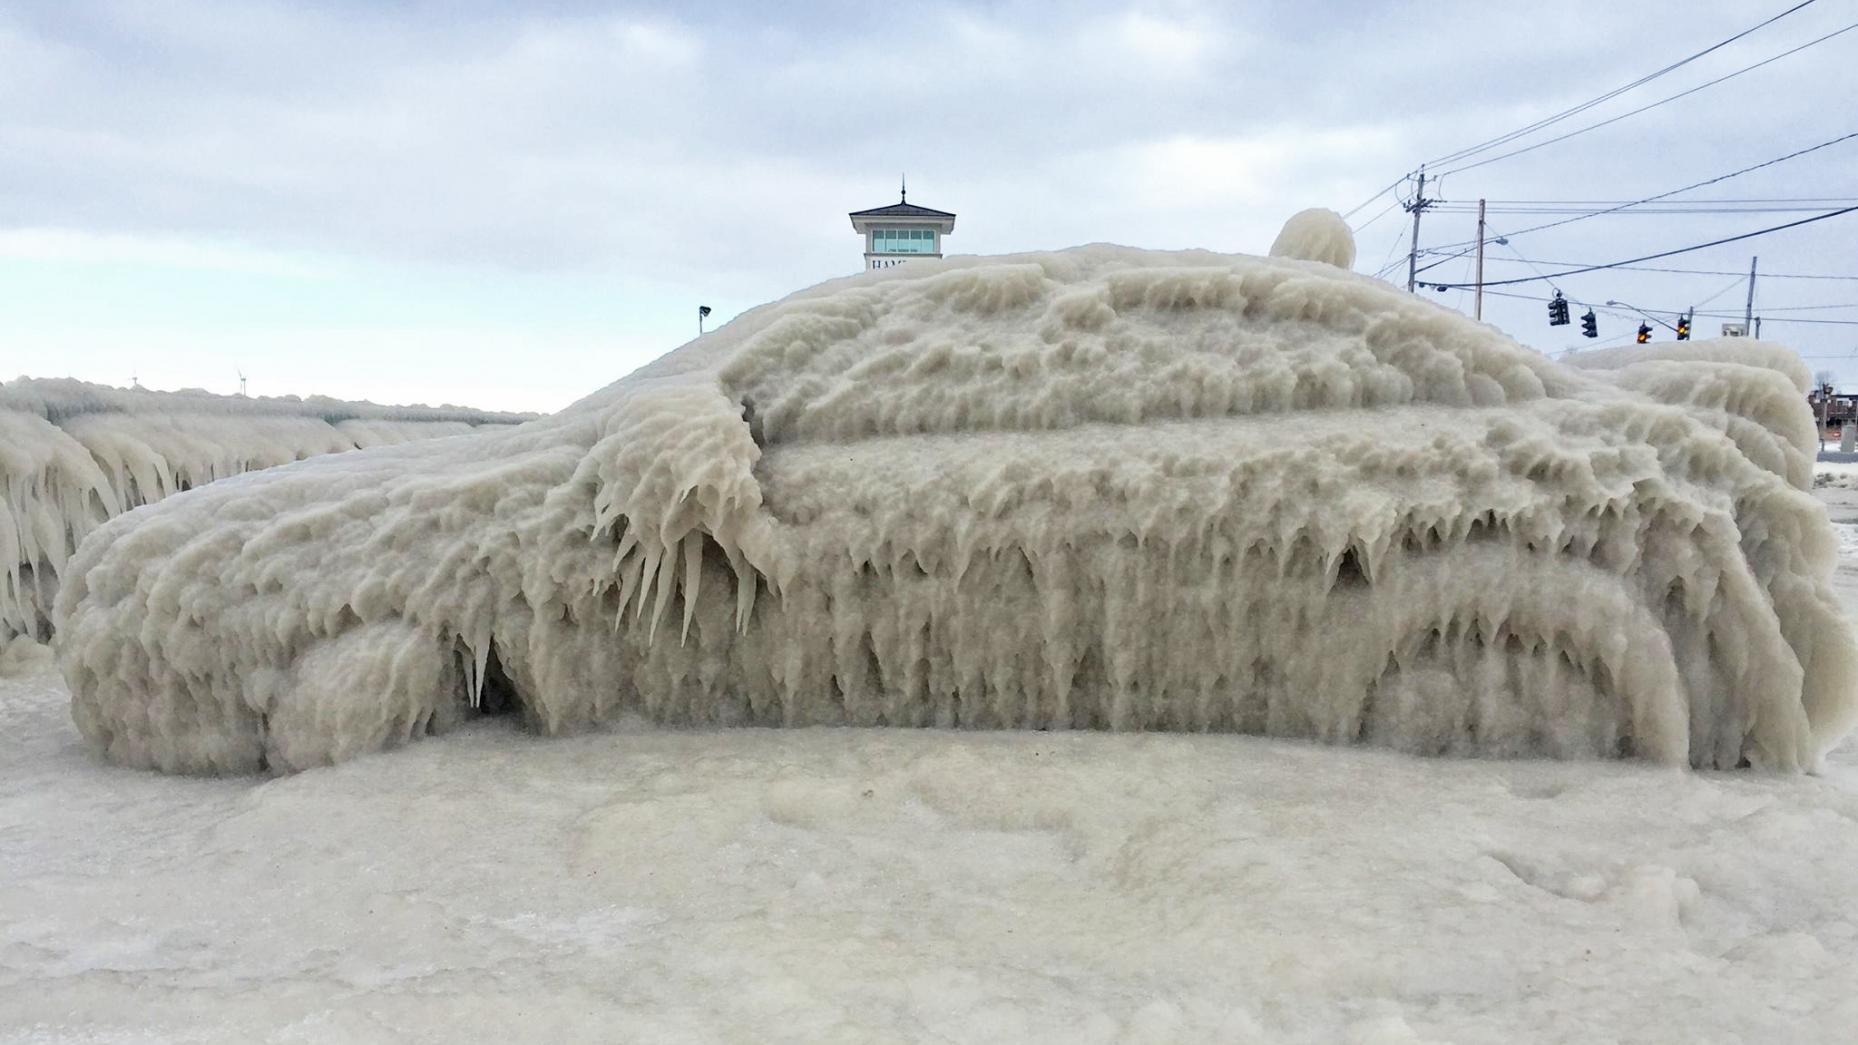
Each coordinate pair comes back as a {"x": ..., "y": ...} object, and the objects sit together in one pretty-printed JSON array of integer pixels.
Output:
[{"x": 681, "y": 142}]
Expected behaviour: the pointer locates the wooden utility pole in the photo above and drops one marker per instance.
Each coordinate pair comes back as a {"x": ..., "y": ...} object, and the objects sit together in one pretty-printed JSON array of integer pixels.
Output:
[
  {"x": 1412, "y": 257},
  {"x": 1478, "y": 308}
]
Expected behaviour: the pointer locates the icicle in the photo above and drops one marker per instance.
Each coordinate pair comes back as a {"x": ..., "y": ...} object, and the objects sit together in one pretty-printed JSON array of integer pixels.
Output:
[
  {"x": 693, "y": 577},
  {"x": 744, "y": 588},
  {"x": 648, "y": 576},
  {"x": 667, "y": 579}
]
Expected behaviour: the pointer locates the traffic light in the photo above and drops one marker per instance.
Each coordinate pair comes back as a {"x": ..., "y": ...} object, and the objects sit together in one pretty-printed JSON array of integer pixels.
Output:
[
  {"x": 1558, "y": 311},
  {"x": 1645, "y": 333},
  {"x": 1590, "y": 327},
  {"x": 1683, "y": 327}
]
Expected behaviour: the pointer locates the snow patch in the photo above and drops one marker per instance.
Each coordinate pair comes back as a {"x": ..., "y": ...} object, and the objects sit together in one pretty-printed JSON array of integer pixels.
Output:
[
  {"x": 1839, "y": 475},
  {"x": 21, "y": 655},
  {"x": 1847, "y": 534}
]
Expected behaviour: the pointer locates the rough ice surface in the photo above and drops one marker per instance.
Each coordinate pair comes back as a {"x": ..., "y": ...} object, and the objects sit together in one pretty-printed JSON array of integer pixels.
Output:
[
  {"x": 1316, "y": 235},
  {"x": 21, "y": 654},
  {"x": 1101, "y": 488},
  {"x": 858, "y": 885},
  {"x": 73, "y": 455}
]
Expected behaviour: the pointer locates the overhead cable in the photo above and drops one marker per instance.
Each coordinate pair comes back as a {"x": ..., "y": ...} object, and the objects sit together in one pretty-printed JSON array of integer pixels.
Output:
[
  {"x": 1503, "y": 139},
  {"x": 1550, "y": 277}
]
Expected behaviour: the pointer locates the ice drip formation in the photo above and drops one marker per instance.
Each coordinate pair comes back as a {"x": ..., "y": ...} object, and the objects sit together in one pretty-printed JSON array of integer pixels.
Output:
[
  {"x": 1098, "y": 488},
  {"x": 74, "y": 455}
]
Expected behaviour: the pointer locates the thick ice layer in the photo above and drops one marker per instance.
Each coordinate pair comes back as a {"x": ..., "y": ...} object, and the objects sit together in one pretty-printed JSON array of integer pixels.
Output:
[
  {"x": 74, "y": 454},
  {"x": 1099, "y": 488}
]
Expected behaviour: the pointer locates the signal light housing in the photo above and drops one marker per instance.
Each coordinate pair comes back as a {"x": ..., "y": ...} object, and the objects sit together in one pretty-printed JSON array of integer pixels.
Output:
[
  {"x": 1645, "y": 333},
  {"x": 1590, "y": 326},
  {"x": 1558, "y": 311}
]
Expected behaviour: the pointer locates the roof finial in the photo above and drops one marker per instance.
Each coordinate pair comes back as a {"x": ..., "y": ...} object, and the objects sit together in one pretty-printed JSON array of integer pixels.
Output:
[{"x": 905, "y": 194}]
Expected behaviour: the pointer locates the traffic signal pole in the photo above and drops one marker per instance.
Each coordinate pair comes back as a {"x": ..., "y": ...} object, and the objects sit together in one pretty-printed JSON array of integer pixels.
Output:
[{"x": 1748, "y": 310}]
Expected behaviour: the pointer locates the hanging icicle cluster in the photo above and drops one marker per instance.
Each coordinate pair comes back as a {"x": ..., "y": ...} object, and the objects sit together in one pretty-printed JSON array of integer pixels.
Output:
[{"x": 73, "y": 455}]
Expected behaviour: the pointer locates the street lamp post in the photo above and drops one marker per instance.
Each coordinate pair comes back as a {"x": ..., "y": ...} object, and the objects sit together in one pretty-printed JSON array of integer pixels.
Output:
[{"x": 1642, "y": 312}]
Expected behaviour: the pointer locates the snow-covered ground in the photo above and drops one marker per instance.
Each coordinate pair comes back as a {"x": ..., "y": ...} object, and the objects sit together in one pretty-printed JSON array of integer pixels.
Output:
[
  {"x": 1838, "y": 472},
  {"x": 889, "y": 885},
  {"x": 1836, "y": 485}
]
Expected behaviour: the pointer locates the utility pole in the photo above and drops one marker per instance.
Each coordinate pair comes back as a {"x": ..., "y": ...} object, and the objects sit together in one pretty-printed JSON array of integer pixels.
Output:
[
  {"x": 1478, "y": 309},
  {"x": 1417, "y": 206},
  {"x": 1748, "y": 310}
]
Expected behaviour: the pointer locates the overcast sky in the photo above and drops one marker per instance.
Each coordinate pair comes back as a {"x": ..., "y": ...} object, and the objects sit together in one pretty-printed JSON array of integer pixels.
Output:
[{"x": 513, "y": 205}]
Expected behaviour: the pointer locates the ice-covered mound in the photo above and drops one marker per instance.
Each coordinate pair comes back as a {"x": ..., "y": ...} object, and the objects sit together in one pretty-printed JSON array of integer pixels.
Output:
[
  {"x": 1097, "y": 488},
  {"x": 73, "y": 454}
]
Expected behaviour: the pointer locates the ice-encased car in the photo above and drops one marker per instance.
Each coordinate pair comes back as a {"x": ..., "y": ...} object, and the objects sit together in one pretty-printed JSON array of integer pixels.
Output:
[{"x": 1095, "y": 488}]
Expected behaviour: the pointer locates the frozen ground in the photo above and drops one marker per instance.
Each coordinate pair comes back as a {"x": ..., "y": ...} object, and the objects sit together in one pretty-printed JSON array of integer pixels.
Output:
[
  {"x": 890, "y": 885},
  {"x": 1836, "y": 485}
]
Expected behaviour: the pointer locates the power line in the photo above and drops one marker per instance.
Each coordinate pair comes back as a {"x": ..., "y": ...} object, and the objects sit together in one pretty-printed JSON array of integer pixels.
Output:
[
  {"x": 1765, "y": 309},
  {"x": 1394, "y": 184},
  {"x": 1463, "y": 247},
  {"x": 1503, "y": 139},
  {"x": 1726, "y": 288},
  {"x": 1765, "y": 317},
  {"x": 1389, "y": 264},
  {"x": 1713, "y": 199},
  {"x": 1741, "y": 276},
  {"x": 1384, "y": 212},
  {"x": 1602, "y": 309},
  {"x": 1504, "y": 241},
  {"x": 1671, "y": 253},
  {"x": 1654, "y": 105},
  {"x": 1680, "y": 208}
]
